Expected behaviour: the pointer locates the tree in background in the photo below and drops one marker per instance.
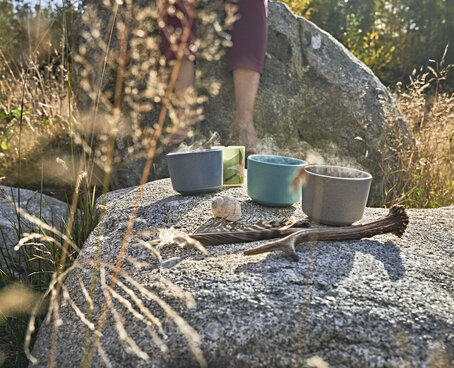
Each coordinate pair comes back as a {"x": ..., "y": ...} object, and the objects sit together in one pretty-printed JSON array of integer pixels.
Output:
[
  {"x": 420, "y": 31},
  {"x": 28, "y": 30},
  {"x": 9, "y": 25},
  {"x": 392, "y": 37}
]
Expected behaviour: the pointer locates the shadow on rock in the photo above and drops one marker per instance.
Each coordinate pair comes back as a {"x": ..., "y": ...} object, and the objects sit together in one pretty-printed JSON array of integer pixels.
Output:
[{"x": 330, "y": 261}]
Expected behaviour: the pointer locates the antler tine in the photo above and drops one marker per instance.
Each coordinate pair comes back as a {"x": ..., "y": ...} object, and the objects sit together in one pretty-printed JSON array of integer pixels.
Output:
[
  {"x": 287, "y": 245},
  {"x": 401, "y": 215}
]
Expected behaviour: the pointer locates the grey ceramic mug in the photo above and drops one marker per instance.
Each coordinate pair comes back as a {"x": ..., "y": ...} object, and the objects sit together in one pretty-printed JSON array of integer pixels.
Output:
[
  {"x": 335, "y": 195},
  {"x": 195, "y": 172}
]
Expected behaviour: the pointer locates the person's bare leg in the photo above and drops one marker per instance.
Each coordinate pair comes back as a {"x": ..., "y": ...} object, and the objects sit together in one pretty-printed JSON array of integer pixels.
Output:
[
  {"x": 184, "y": 80},
  {"x": 185, "y": 77},
  {"x": 246, "y": 82}
]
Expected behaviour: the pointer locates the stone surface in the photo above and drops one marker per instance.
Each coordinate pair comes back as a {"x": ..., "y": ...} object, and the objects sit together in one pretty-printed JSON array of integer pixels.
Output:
[
  {"x": 316, "y": 101},
  {"x": 380, "y": 302},
  {"x": 52, "y": 211}
]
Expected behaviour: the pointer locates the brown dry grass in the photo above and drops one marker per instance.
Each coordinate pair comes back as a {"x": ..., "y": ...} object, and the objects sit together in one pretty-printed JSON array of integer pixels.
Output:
[
  {"x": 45, "y": 113},
  {"x": 426, "y": 177}
]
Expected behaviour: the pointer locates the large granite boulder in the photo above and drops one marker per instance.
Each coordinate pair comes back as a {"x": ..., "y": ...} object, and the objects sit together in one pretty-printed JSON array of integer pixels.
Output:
[
  {"x": 315, "y": 101},
  {"x": 51, "y": 211},
  {"x": 379, "y": 302}
]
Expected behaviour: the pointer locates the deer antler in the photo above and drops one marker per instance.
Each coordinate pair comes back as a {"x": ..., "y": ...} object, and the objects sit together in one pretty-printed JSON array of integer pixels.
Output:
[{"x": 395, "y": 222}]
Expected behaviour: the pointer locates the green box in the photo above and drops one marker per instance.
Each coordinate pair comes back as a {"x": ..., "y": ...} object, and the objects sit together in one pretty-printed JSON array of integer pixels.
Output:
[{"x": 233, "y": 163}]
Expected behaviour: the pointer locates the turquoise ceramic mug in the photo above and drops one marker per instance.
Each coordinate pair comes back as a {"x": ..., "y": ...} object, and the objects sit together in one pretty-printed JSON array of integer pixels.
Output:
[{"x": 269, "y": 179}]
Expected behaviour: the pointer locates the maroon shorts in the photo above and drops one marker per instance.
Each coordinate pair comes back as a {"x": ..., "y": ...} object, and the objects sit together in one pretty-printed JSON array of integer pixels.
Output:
[{"x": 249, "y": 34}]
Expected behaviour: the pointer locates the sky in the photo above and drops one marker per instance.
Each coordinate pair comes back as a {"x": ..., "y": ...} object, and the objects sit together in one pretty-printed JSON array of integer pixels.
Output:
[{"x": 44, "y": 3}]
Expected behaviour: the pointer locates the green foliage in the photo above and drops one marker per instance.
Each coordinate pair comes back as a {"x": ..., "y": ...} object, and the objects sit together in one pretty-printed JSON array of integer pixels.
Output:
[
  {"x": 27, "y": 29},
  {"x": 7, "y": 120},
  {"x": 12, "y": 336},
  {"x": 392, "y": 37},
  {"x": 9, "y": 25},
  {"x": 370, "y": 48},
  {"x": 9, "y": 116}
]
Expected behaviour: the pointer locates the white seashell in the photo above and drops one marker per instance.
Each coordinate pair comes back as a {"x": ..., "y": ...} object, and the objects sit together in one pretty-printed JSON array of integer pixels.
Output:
[{"x": 226, "y": 207}]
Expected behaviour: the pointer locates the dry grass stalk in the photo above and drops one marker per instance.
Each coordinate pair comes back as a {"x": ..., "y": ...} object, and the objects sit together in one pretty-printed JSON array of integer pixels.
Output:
[
  {"x": 174, "y": 237},
  {"x": 136, "y": 304},
  {"x": 426, "y": 177},
  {"x": 15, "y": 299},
  {"x": 150, "y": 157}
]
